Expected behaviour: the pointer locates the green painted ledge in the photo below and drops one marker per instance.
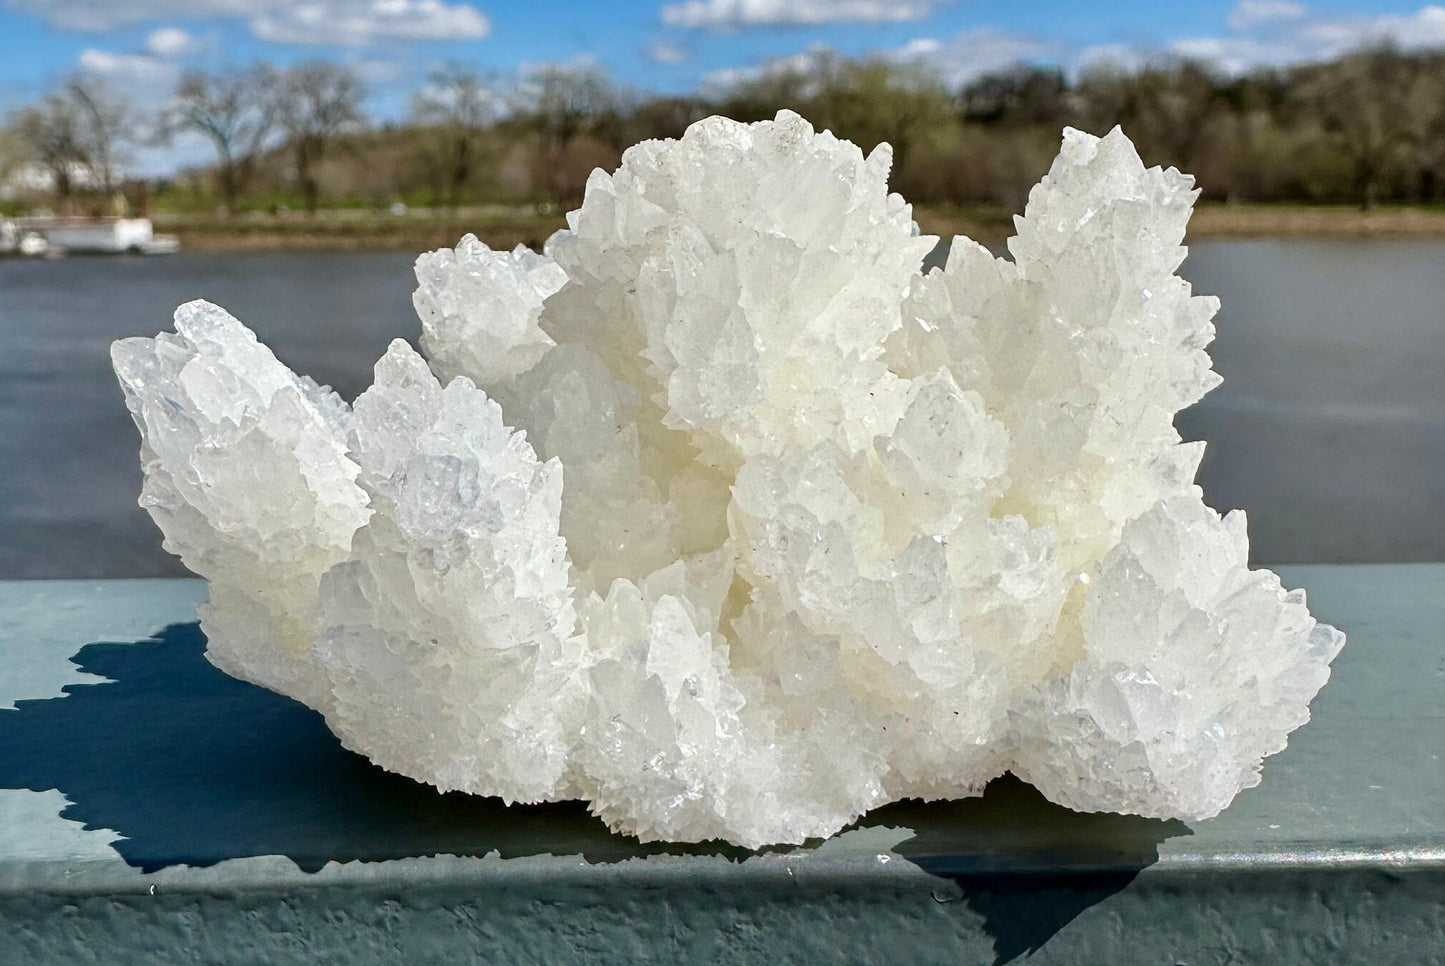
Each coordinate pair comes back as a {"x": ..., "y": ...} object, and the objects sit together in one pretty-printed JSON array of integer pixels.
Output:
[{"x": 161, "y": 812}]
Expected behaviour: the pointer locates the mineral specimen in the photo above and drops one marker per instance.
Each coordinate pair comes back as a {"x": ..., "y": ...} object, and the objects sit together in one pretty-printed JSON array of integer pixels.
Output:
[{"x": 723, "y": 517}]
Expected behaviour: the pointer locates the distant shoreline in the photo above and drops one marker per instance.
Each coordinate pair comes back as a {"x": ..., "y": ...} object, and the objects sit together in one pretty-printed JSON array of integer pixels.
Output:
[
  {"x": 1227, "y": 221},
  {"x": 348, "y": 230},
  {"x": 500, "y": 227}
]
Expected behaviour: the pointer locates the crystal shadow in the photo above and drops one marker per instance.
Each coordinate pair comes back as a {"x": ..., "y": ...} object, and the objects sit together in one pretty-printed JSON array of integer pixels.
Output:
[
  {"x": 194, "y": 767},
  {"x": 1026, "y": 865}
]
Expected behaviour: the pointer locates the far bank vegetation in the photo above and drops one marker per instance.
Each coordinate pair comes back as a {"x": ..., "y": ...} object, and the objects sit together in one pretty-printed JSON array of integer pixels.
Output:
[{"x": 1366, "y": 129}]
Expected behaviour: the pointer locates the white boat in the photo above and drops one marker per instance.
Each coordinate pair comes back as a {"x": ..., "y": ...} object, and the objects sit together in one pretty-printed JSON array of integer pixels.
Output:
[
  {"x": 33, "y": 246},
  {"x": 89, "y": 236},
  {"x": 13, "y": 241}
]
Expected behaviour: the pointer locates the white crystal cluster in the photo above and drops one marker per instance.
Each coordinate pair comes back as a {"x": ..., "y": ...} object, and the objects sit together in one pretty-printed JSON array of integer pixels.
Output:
[{"x": 723, "y": 517}]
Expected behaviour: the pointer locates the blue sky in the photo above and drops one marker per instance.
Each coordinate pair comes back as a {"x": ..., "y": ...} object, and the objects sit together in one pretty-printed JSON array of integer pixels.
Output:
[{"x": 139, "y": 47}]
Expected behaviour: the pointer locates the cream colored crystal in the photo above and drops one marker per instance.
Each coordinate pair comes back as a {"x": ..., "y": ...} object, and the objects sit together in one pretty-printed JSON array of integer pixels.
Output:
[{"x": 727, "y": 519}]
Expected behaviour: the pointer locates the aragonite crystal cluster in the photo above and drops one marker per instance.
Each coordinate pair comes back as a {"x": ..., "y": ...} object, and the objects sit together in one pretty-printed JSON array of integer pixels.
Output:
[{"x": 722, "y": 516}]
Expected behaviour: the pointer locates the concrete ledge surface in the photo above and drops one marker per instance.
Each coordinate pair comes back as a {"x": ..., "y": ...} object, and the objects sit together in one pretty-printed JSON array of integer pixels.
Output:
[{"x": 153, "y": 809}]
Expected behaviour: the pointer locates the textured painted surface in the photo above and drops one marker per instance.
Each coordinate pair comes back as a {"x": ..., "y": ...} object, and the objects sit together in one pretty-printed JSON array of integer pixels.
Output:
[
  {"x": 249, "y": 837},
  {"x": 42, "y": 621}
]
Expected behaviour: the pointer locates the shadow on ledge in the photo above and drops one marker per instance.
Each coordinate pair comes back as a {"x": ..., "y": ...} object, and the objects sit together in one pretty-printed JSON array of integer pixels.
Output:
[
  {"x": 194, "y": 767},
  {"x": 1024, "y": 864}
]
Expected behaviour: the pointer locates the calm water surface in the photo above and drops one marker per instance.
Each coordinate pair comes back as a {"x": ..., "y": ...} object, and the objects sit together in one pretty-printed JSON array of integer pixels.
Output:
[{"x": 1329, "y": 428}]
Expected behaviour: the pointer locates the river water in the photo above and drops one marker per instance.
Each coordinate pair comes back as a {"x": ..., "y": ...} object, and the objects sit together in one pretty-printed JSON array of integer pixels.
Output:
[{"x": 1329, "y": 428}]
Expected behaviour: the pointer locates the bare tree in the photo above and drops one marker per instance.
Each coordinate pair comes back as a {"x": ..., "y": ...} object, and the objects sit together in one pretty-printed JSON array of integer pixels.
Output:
[
  {"x": 792, "y": 83},
  {"x": 106, "y": 124},
  {"x": 457, "y": 104},
  {"x": 873, "y": 100},
  {"x": 568, "y": 106},
  {"x": 14, "y": 152},
  {"x": 1427, "y": 109},
  {"x": 1367, "y": 102},
  {"x": 867, "y": 100},
  {"x": 1017, "y": 96},
  {"x": 318, "y": 101},
  {"x": 664, "y": 117},
  {"x": 52, "y": 132},
  {"x": 236, "y": 110},
  {"x": 1166, "y": 108},
  {"x": 564, "y": 101}
]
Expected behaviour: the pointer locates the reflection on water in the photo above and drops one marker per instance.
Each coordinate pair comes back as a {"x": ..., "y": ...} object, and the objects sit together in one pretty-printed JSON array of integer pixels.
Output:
[{"x": 1329, "y": 429}]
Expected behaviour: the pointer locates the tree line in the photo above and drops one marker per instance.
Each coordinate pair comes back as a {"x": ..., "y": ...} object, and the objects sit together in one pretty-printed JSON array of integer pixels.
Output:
[{"x": 1365, "y": 128}]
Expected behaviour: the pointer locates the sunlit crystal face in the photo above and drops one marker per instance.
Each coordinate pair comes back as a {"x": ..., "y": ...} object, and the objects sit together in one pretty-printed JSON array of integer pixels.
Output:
[{"x": 723, "y": 517}]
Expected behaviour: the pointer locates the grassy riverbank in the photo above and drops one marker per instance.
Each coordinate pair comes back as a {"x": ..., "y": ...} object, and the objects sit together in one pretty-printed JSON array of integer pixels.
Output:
[
  {"x": 504, "y": 227},
  {"x": 361, "y": 230},
  {"x": 992, "y": 226}
]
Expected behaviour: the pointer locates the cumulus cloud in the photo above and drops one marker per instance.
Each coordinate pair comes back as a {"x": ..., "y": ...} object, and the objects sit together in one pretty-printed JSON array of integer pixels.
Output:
[
  {"x": 1262, "y": 33},
  {"x": 379, "y": 70},
  {"x": 101, "y": 15},
  {"x": 580, "y": 65},
  {"x": 1423, "y": 28},
  {"x": 127, "y": 69},
  {"x": 356, "y": 24},
  {"x": 1266, "y": 33},
  {"x": 1115, "y": 56},
  {"x": 143, "y": 82},
  {"x": 1259, "y": 33},
  {"x": 170, "y": 42},
  {"x": 974, "y": 52},
  {"x": 342, "y": 22},
  {"x": 665, "y": 53},
  {"x": 1250, "y": 12},
  {"x": 1233, "y": 55},
  {"x": 738, "y": 14},
  {"x": 958, "y": 60},
  {"x": 144, "y": 78},
  {"x": 804, "y": 62}
]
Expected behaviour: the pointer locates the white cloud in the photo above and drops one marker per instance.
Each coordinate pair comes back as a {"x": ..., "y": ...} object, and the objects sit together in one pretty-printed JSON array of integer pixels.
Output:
[
  {"x": 665, "y": 53},
  {"x": 1266, "y": 33},
  {"x": 973, "y": 52},
  {"x": 170, "y": 42},
  {"x": 581, "y": 64},
  {"x": 101, "y": 15},
  {"x": 1115, "y": 56},
  {"x": 1235, "y": 55},
  {"x": 489, "y": 100},
  {"x": 1330, "y": 36},
  {"x": 352, "y": 23},
  {"x": 357, "y": 24},
  {"x": 736, "y": 14},
  {"x": 804, "y": 62},
  {"x": 1273, "y": 33},
  {"x": 144, "y": 79},
  {"x": 1294, "y": 36},
  {"x": 1251, "y": 12},
  {"x": 1424, "y": 28},
  {"x": 959, "y": 60},
  {"x": 127, "y": 69},
  {"x": 378, "y": 70},
  {"x": 143, "y": 82}
]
